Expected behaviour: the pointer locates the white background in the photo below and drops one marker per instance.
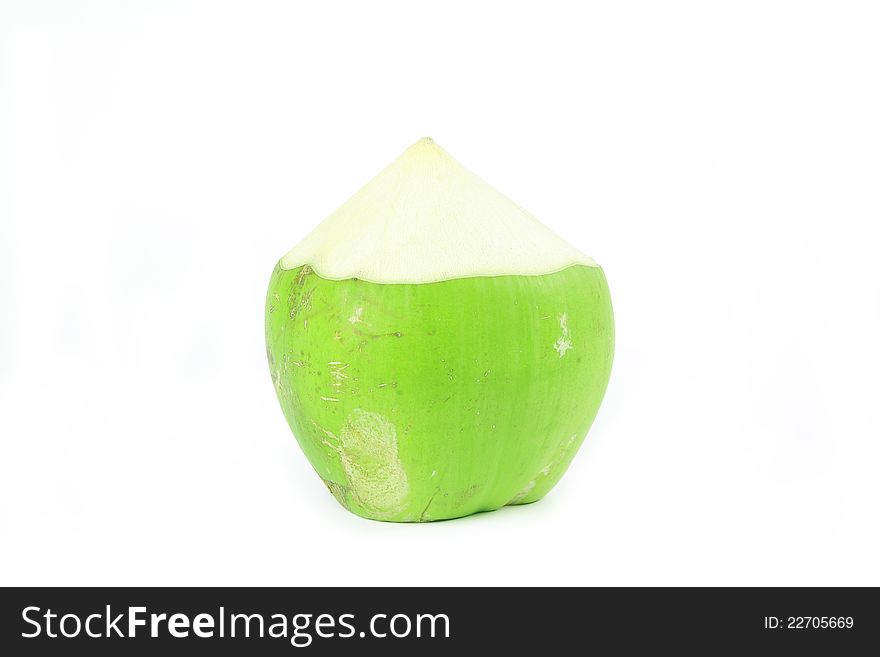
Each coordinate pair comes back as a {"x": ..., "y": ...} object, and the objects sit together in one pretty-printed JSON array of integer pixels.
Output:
[{"x": 720, "y": 160}]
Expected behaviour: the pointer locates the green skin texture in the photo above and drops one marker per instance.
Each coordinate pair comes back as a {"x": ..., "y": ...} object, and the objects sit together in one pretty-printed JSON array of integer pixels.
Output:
[{"x": 421, "y": 402}]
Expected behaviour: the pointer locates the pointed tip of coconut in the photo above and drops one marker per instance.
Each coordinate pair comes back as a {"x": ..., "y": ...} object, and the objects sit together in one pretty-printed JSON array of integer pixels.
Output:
[
  {"x": 423, "y": 149},
  {"x": 426, "y": 218}
]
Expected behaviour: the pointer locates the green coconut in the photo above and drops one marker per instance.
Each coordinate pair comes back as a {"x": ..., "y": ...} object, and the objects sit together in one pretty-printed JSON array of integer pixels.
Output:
[{"x": 435, "y": 349}]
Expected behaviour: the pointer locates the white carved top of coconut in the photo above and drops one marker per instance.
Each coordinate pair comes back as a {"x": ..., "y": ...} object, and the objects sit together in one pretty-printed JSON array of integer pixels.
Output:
[{"x": 426, "y": 218}]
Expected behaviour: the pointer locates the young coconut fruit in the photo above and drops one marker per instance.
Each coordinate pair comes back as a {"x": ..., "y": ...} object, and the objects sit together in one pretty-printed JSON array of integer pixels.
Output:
[{"x": 436, "y": 350}]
